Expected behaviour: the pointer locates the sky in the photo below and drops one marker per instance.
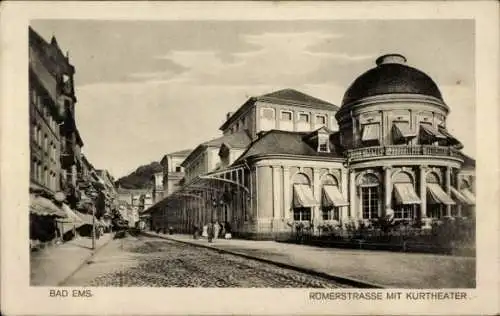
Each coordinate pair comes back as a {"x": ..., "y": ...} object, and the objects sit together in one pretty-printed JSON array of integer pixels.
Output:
[{"x": 147, "y": 88}]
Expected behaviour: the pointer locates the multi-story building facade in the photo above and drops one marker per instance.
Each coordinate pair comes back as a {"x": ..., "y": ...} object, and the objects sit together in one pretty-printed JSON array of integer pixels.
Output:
[
  {"x": 391, "y": 157},
  {"x": 46, "y": 115},
  {"x": 173, "y": 171}
]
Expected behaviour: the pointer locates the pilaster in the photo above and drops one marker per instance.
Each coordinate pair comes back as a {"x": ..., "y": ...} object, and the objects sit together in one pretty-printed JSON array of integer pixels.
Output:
[
  {"x": 388, "y": 190},
  {"x": 287, "y": 191},
  {"x": 352, "y": 194},
  {"x": 448, "y": 189}
]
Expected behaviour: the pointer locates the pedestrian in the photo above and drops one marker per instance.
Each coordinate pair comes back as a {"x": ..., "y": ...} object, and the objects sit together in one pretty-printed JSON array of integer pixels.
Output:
[
  {"x": 205, "y": 231},
  {"x": 216, "y": 230},
  {"x": 228, "y": 231},
  {"x": 210, "y": 232},
  {"x": 195, "y": 232}
]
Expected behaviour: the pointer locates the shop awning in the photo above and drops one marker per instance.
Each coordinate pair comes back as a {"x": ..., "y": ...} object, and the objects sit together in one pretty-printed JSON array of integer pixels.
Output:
[
  {"x": 371, "y": 132},
  {"x": 303, "y": 196},
  {"x": 333, "y": 197},
  {"x": 71, "y": 215},
  {"x": 86, "y": 218},
  {"x": 44, "y": 207},
  {"x": 436, "y": 195},
  {"x": 402, "y": 131},
  {"x": 431, "y": 131},
  {"x": 469, "y": 195},
  {"x": 405, "y": 194},
  {"x": 462, "y": 199},
  {"x": 450, "y": 137}
]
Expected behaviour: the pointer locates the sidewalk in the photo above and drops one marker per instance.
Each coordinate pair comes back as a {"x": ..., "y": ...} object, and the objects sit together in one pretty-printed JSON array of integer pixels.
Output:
[
  {"x": 382, "y": 268},
  {"x": 51, "y": 266}
]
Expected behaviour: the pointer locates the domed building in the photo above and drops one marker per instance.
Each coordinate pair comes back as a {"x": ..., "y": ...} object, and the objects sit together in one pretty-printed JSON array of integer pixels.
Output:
[
  {"x": 403, "y": 161},
  {"x": 287, "y": 158}
]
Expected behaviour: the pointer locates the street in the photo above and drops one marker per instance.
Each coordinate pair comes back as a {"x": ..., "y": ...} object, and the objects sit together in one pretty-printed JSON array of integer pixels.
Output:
[{"x": 155, "y": 262}]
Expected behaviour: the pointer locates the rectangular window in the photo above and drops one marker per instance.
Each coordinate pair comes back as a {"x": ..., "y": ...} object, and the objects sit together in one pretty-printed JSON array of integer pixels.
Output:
[
  {"x": 370, "y": 200},
  {"x": 46, "y": 143},
  {"x": 323, "y": 147},
  {"x": 404, "y": 212},
  {"x": 331, "y": 213},
  {"x": 320, "y": 120},
  {"x": 304, "y": 117},
  {"x": 268, "y": 113},
  {"x": 302, "y": 214},
  {"x": 286, "y": 116},
  {"x": 178, "y": 169}
]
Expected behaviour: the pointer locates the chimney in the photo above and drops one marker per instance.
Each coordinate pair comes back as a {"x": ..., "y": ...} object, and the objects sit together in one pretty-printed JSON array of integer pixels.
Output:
[
  {"x": 228, "y": 115},
  {"x": 391, "y": 59}
]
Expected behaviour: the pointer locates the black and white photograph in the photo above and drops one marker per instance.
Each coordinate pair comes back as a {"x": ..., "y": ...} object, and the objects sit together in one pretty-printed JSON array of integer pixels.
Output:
[{"x": 318, "y": 154}]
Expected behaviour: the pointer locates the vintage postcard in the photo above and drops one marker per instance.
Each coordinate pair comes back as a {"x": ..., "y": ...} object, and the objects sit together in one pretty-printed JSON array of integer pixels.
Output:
[{"x": 249, "y": 158}]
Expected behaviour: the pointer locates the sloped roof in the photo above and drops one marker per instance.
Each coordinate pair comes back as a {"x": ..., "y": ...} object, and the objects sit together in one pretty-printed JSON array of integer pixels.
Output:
[
  {"x": 280, "y": 142},
  {"x": 236, "y": 140},
  {"x": 184, "y": 152},
  {"x": 285, "y": 97},
  {"x": 297, "y": 97},
  {"x": 239, "y": 139}
]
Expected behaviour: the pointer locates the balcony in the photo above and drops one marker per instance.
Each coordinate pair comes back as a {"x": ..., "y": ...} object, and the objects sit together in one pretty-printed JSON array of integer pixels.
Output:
[{"x": 360, "y": 154}]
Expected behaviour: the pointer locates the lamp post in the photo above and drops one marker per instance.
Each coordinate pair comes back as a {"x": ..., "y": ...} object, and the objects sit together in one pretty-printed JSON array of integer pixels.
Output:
[{"x": 93, "y": 194}]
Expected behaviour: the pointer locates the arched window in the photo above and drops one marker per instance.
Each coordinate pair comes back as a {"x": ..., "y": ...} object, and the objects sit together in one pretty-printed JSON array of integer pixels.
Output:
[
  {"x": 432, "y": 177},
  {"x": 404, "y": 199},
  {"x": 331, "y": 198},
  {"x": 434, "y": 210},
  {"x": 370, "y": 196},
  {"x": 303, "y": 198}
]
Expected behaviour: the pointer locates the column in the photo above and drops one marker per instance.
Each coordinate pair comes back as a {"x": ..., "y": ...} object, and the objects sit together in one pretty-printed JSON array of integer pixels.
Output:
[
  {"x": 423, "y": 198},
  {"x": 276, "y": 197},
  {"x": 352, "y": 195},
  {"x": 388, "y": 190},
  {"x": 448, "y": 189},
  {"x": 316, "y": 216},
  {"x": 287, "y": 202},
  {"x": 344, "y": 186}
]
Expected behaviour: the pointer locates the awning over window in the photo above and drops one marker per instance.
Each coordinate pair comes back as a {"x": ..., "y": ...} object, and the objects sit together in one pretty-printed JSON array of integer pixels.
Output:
[
  {"x": 431, "y": 131},
  {"x": 71, "y": 215},
  {"x": 469, "y": 195},
  {"x": 371, "y": 132},
  {"x": 405, "y": 194},
  {"x": 462, "y": 199},
  {"x": 402, "y": 131},
  {"x": 333, "y": 197},
  {"x": 436, "y": 195},
  {"x": 303, "y": 196},
  {"x": 44, "y": 207}
]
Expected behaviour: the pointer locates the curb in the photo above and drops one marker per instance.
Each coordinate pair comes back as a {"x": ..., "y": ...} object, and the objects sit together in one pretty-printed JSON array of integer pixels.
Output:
[
  {"x": 340, "y": 279},
  {"x": 84, "y": 262}
]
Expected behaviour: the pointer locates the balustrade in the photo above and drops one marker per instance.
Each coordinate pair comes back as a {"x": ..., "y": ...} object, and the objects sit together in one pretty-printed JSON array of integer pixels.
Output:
[{"x": 402, "y": 150}]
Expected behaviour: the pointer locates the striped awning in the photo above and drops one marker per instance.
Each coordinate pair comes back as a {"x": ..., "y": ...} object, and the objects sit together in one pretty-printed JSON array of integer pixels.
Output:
[
  {"x": 371, "y": 132},
  {"x": 303, "y": 196},
  {"x": 405, "y": 194},
  {"x": 469, "y": 195},
  {"x": 71, "y": 215},
  {"x": 333, "y": 197},
  {"x": 460, "y": 198},
  {"x": 402, "y": 131},
  {"x": 450, "y": 137},
  {"x": 44, "y": 207},
  {"x": 431, "y": 131},
  {"x": 436, "y": 195}
]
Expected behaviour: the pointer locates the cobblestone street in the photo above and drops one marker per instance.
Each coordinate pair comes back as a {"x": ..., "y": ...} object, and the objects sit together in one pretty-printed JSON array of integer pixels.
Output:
[{"x": 146, "y": 261}]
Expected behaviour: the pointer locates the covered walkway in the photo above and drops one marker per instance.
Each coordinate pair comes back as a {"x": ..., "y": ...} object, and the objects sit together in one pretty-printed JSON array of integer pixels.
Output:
[{"x": 223, "y": 195}]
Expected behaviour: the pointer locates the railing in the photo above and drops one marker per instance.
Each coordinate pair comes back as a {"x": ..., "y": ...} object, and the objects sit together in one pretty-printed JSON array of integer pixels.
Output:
[{"x": 402, "y": 150}]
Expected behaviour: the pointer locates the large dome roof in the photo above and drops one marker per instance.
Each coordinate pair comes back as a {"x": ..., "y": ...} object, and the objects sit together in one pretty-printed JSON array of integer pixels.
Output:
[{"x": 391, "y": 76}]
